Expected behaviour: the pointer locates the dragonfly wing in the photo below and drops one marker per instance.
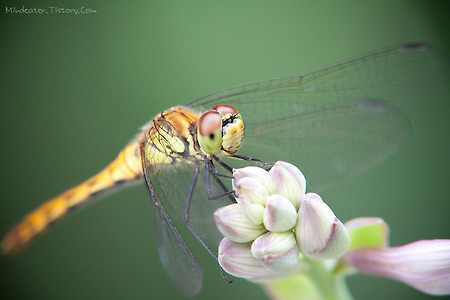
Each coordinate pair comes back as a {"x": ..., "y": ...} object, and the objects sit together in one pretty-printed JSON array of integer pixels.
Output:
[
  {"x": 330, "y": 147},
  {"x": 401, "y": 75},
  {"x": 184, "y": 181},
  {"x": 338, "y": 121},
  {"x": 175, "y": 256}
]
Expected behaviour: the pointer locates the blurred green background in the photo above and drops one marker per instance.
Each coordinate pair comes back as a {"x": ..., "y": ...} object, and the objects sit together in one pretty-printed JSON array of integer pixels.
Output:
[{"x": 76, "y": 88}]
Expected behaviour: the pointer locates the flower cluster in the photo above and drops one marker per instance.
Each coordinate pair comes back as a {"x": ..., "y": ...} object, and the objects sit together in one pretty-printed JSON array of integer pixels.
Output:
[
  {"x": 274, "y": 223},
  {"x": 276, "y": 230}
]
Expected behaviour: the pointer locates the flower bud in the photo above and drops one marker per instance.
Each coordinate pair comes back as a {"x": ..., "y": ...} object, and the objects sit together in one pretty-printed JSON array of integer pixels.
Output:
[
  {"x": 319, "y": 232},
  {"x": 277, "y": 251},
  {"x": 279, "y": 214},
  {"x": 237, "y": 259},
  {"x": 285, "y": 179},
  {"x": 235, "y": 226},
  {"x": 252, "y": 189},
  {"x": 255, "y": 172},
  {"x": 252, "y": 211},
  {"x": 368, "y": 232}
]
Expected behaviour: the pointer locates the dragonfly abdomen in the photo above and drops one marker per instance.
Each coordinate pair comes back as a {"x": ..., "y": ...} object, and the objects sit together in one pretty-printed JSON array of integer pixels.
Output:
[{"x": 126, "y": 168}]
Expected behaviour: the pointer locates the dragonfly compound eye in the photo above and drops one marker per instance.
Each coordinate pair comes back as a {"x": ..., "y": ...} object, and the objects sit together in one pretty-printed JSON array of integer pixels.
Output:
[
  {"x": 225, "y": 108},
  {"x": 209, "y": 132}
]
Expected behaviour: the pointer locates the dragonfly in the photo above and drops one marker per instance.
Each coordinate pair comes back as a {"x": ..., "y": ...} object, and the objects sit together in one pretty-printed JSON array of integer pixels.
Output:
[{"x": 333, "y": 123}]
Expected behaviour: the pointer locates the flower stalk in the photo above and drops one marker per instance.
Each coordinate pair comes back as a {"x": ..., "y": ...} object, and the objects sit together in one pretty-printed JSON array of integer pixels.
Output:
[{"x": 315, "y": 283}]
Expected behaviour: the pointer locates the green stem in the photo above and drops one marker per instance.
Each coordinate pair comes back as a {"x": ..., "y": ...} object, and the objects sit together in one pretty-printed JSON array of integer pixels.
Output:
[{"x": 317, "y": 283}]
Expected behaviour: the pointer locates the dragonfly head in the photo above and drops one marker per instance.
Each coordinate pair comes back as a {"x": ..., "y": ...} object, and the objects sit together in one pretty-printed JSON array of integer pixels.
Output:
[{"x": 220, "y": 129}]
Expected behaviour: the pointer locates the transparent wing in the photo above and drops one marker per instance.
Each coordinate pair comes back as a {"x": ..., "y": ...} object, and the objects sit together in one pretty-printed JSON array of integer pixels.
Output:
[
  {"x": 338, "y": 121},
  {"x": 175, "y": 255},
  {"x": 185, "y": 182}
]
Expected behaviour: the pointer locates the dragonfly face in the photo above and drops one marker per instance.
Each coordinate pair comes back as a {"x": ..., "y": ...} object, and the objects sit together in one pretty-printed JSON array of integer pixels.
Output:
[
  {"x": 333, "y": 124},
  {"x": 232, "y": 128}
]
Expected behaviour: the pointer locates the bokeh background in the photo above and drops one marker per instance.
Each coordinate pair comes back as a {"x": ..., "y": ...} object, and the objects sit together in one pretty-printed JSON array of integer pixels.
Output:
[{"x": 74, "y": 89}]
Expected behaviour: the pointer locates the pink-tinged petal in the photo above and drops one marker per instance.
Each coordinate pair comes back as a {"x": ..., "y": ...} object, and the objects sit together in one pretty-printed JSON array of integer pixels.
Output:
[
  {"x": 252, "y": 189},
  {"x": 277, "y": 251},
  {"x": 237, "y": 259},
  {"x": 235, "y": 226},
  {"x": 320, "y": 234},
  {"x": 279, "y": 214},
  {"x": 424, "y": 265},
  {"x": 287, "y": 180}
]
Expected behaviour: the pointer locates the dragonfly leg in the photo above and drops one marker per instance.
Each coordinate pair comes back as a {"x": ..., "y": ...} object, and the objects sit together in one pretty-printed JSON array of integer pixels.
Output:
[
  {"x": 216, "y": 173},
  {"x": 223, "y": 164},
  {"x": 252, "y": 159},
  {"x": 188, "y": 225},
  {"x": 210, "y": 169}
]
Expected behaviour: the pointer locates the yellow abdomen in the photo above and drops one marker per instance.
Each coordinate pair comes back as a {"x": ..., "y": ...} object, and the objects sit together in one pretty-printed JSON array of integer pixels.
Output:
[{"x": 125, "y": 168}]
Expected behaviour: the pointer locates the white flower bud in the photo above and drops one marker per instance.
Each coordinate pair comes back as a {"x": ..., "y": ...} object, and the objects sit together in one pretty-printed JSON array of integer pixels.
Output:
[
  {"x": 279, "y": 213},
  {"x": 254, "y": 172},
  {"x": 285, "y": 179},
  {"x": 237, "y": 259},
  {"x": 234, "y": 225},
  {"x": 277, "y": 251},
  {"x": 319, "y": 232},
  {"x": 252, "y": 211},
  {"x": 252, "y": 189}
]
